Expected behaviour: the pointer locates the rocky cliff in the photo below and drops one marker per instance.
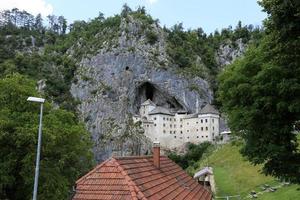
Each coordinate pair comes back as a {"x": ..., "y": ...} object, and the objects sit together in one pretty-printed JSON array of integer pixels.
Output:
[{"x": 113, "y": 83}]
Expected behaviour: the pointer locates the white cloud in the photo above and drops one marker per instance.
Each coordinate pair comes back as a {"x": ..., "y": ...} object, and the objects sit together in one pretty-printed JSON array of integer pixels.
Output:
[
  {"x": 152, "y": 1},
  {"x": 32, "y": 6}
]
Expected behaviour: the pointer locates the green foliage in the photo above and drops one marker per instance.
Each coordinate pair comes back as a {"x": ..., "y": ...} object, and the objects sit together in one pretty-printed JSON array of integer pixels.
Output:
[
  {"x": 141, "y": 15},
  {"x": 260, "y": 94},
  {"x": 19, "y": 53},
  {"x": 88, "y": 37},
  {"x": 151, "y": 37},
  {"x": 193, "y": 154},
  {"x": 66, "y": 147},
  {"x": 194, "y": 52}
]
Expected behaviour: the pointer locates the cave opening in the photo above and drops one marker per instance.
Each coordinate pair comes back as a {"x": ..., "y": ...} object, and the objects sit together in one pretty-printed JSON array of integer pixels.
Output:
[{"x": 149, "y": 91}]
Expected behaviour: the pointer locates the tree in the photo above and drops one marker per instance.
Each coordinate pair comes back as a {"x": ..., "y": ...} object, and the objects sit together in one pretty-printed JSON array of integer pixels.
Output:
[
  {"x": 66, "y": 147},
  {"x": 100, "y": 17},
  {"x": 62, "y": 24},
  {"x": 53, "y": 23},
  {"x": 125, "y": 10},
  {"x": 38, "y": 23},
  {"x": 194, "y": 152},
  {"x": 260, "y": 93},
  {"x": 134, "y": 135}
]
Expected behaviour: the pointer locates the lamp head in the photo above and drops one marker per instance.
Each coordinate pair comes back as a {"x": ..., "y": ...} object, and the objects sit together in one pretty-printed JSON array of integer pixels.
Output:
[{"x": 36, "y": 99}]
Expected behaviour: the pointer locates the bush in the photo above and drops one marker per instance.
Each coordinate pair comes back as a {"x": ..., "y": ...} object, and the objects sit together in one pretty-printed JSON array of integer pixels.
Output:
[
  {"x": 151, "y": 37},
  {"x": 193, "y": 154}
]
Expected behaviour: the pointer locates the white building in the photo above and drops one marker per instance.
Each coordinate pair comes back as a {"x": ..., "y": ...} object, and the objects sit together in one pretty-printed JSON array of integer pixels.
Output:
[{"x": 174, "y": 129}]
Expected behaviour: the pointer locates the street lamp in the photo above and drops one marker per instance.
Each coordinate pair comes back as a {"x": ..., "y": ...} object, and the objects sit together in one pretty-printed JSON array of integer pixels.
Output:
[{"x": 37, "y": 164}]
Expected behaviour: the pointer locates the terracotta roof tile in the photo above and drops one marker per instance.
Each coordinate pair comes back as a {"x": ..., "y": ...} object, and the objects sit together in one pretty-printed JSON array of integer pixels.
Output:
[{"x": 137, "y": 178}]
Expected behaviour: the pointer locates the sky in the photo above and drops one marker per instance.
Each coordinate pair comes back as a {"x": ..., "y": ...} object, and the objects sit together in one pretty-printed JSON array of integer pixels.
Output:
[{"x": 207, "y": 14}]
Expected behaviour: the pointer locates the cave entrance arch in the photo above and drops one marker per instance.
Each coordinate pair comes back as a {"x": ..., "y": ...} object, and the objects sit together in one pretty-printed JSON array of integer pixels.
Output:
[{"x": 148, "y": 90}]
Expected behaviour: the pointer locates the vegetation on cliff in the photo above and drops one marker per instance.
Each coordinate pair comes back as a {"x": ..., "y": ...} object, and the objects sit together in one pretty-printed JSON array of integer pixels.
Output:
[{"x": 195, "y": 52}]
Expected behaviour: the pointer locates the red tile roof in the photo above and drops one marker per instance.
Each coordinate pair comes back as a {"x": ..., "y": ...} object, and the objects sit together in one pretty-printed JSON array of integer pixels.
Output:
[{"x": 137, "y": 178}]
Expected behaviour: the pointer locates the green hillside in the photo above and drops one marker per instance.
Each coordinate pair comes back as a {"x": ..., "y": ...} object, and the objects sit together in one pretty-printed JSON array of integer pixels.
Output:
[{"x": 234, "y": 175}]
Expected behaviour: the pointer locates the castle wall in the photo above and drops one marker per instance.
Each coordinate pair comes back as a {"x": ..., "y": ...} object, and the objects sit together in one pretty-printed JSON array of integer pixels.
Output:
[{"x": 175, "y": 130}]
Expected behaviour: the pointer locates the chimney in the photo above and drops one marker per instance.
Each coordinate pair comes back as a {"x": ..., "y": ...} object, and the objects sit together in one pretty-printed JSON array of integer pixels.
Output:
[{"x": 156, "y": 154}]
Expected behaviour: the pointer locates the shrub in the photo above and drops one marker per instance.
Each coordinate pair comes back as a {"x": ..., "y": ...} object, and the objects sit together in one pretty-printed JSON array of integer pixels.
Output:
[{"x": 151, "y": 37}]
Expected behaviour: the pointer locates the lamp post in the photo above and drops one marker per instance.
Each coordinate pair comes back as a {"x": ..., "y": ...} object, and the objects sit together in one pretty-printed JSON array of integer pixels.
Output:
[{"x": 37, "y": 164}]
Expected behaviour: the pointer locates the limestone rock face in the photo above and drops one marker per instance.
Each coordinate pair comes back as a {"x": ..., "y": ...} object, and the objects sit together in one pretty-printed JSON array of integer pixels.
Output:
[
  {"x": 229, "y": 51},
  {"x": 112, "y": 84}
]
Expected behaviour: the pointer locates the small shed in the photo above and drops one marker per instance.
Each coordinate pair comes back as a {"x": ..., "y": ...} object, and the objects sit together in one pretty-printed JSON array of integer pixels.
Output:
[{"x": 205, "y": 177}]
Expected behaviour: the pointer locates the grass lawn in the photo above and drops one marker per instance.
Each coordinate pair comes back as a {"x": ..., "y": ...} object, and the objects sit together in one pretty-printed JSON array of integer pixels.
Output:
[
  {"x": 234, "y": 175},
  {"x": 291, "y": 192}
]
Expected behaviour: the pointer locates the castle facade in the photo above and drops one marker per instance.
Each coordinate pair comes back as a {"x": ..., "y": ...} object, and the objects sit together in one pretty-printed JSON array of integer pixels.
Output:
[{"x": 174, "y": 129}]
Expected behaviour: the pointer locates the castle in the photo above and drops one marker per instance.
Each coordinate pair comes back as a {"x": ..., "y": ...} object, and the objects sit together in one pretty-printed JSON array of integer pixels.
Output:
[{"x": 174, "y": 129}]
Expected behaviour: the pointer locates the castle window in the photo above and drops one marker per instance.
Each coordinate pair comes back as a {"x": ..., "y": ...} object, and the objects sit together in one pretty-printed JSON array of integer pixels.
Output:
[
  {"x": 174, "y": 125},
  {"x": 154, "y": 124},
  {"x": 213, "y": 128},
  {"x": 175, "y": 136},
  {"x": 213, "y": 120},
  {"x": 197, "y": 136},
  {"x": 170, "y": 132},
  {"x": 206, "y": 128},
  {"x": 164, "y": 125},
  {"x": 206, "y": 136},
  {"x": 180, "y": 137},
  {"x": 205, "y": 120},
  {"x": 188, "y": 137},
  {"x": 188, "y": 131},
  {"x": 174, "y": 132},
  {"x": 197, "y": 129},
  {"x": 174, "y": 120},
  {"x": 163, "y": 118},
  {"x": 196, "y": 122},
  {"x": 201, "y": 128},
  {"x": 164, "y": 131},
  {"x": 181, "y": 132},
  {"x": 201, "y": 120},
  {"x": 187, "y": 123},
  {"x": 180, "y": 126},
  {"x": 202, "y": 136},
  {"x": 154, "y": 118},
  {"x": 181, "y": 120},
  {"x": 170, "y": 125}
]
